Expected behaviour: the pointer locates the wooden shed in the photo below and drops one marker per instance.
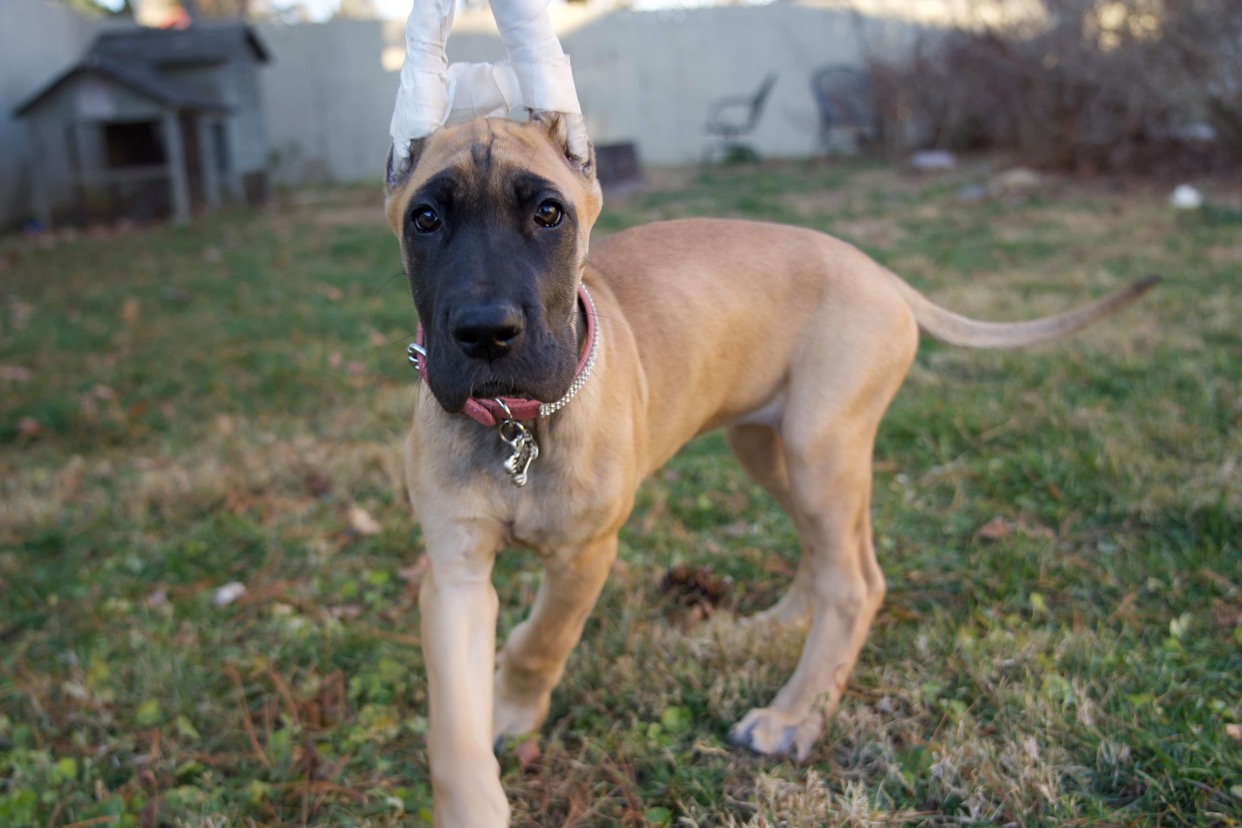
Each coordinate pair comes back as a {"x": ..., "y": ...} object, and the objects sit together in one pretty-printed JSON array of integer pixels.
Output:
[{"x": 151, "y": 123}]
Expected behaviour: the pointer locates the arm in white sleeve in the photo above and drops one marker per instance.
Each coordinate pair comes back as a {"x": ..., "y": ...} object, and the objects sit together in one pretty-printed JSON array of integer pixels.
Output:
[
  {"x": 537, "y": 75},
  {"x": 542, "y": 68},
  {"x": 423, "y": 95}
]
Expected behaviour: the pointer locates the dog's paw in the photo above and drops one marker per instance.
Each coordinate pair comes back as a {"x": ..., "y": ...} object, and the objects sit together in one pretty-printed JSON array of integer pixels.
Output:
[
  {"x": 511, "y": 718},
  {"x": 771, "y": 732}
]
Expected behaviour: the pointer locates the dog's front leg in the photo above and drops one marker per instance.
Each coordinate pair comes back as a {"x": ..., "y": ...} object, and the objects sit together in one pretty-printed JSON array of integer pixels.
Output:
[
  {"x": 534, "y": 657},
  {"x": 458, "y": 606}
]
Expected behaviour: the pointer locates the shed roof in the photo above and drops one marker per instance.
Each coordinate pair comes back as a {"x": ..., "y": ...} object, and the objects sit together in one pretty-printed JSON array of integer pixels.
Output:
[
  {"x": 138, "y": 77},
  {"x": 134, "y": 56},
  {"x": 197, "y": 43}
]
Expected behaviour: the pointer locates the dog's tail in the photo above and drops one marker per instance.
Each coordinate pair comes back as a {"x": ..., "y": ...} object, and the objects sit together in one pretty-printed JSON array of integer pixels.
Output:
[{"x": 955, "y": 329}]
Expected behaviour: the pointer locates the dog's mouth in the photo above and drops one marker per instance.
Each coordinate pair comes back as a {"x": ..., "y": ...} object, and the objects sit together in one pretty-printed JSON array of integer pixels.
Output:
[
  {"x": 541, "y": 374},
  {"x": 498, "y": 388}
]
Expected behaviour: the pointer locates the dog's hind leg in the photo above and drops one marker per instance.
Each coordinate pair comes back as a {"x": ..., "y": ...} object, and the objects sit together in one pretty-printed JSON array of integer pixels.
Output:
[
  {"x": 534, "y": 656},
  {"x": 833, "y": 410},
  {"x": 846, "y": 588},
  {"x": 761, "y": 452}
]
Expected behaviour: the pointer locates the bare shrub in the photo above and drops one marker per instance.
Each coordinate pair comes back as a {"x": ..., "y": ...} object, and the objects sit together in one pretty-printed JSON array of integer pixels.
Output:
[{"x": 1072, "y": 84}]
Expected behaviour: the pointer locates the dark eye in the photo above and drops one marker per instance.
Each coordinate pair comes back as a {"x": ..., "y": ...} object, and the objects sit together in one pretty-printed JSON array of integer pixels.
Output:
[
  {"x": 425, "y": 219},
  {"x": 548, "y": 214}
]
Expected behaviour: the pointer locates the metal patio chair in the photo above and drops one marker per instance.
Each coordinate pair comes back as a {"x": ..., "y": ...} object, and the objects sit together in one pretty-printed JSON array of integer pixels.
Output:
[{"x": 730, "y": 119}]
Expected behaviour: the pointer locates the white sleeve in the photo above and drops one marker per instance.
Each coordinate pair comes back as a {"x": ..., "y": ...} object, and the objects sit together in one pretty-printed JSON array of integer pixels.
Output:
[
  {"x": 541, "y": 65},
  {"x": 423, "y": 94},
  {"x": 536, "y": 76}
]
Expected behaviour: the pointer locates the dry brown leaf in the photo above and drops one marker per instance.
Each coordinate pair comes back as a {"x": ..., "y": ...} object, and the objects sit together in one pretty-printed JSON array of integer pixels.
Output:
[
  {"x": 360, "y": 521},
  {"x": 995, "y": 529},
  {"x": 21, "y": 313},
  {"x": 14, "y": 373},
  {"x": 129, "y": 311},
  {"x": 318, "y": 483},
  {"x": 998, "y": 528},
  {"x": 413, "y": 575},
  {"x": 527, "y": 752}
]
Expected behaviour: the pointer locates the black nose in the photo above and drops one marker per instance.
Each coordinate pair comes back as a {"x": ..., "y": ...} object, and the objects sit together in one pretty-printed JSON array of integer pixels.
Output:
[{"x": 487, "y": 331}]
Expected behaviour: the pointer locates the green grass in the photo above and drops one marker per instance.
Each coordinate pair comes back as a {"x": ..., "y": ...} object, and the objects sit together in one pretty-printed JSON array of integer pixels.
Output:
[{"x": 184, "y": 408}]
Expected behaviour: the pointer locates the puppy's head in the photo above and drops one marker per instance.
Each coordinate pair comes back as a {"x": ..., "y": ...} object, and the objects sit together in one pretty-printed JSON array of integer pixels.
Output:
[{"x": 494, "y": 219}]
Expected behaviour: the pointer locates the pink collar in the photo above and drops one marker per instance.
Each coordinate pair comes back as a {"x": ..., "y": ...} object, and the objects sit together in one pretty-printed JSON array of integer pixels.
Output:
[{"x": 489, "y": 412}]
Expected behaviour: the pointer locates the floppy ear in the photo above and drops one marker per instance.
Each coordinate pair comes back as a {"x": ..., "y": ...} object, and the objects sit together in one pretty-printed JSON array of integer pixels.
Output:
[
  {"x": 396, "y": 175},
  {"x": 398, "y": 169},
  {"x": 568, "y": 132}
]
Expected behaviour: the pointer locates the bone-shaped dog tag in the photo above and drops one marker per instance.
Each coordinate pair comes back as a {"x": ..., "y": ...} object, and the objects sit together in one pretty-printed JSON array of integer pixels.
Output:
[{"x": 523, "y": 446}]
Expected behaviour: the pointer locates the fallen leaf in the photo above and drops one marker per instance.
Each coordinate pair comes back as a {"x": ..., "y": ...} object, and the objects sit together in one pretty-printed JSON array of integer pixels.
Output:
[
  {"x": 334, "y": 359},
  {"x": 413, "y": 575},
  {"x": 360, "y": 521},
  {"x": 149, "y": 712},
  {"x": 377, "y": 339},
  {"x": 695, "y": 588},
  {"x": 129, "y": 311},
  {"x": 318, "y": 483},
  {"x": 28, "y": 427},
  {"x": 1233, "y": 731},
  {"x": 21, "y": 312},
  {"x": 995, "y": 529},
  {"x": 228, "y": 593},
  {"x": 14, "y": 373},
  {"x": 527, "y": 752},
  {"x": 331, "y": 292}
]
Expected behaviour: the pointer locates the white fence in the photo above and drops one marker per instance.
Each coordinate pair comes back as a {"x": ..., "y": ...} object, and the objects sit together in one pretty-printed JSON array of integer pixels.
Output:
[{"x": 645, "y": 77}]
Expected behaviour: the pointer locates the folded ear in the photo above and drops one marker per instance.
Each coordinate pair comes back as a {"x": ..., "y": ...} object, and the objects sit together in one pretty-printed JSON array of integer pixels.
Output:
[
  {"x": 568, "y": 132},
  {"x": 398, "y": 169}
]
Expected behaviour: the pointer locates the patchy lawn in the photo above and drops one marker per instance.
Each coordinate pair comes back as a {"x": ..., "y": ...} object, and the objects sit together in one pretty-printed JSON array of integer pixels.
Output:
[{"x": 1061, "y": 529}]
